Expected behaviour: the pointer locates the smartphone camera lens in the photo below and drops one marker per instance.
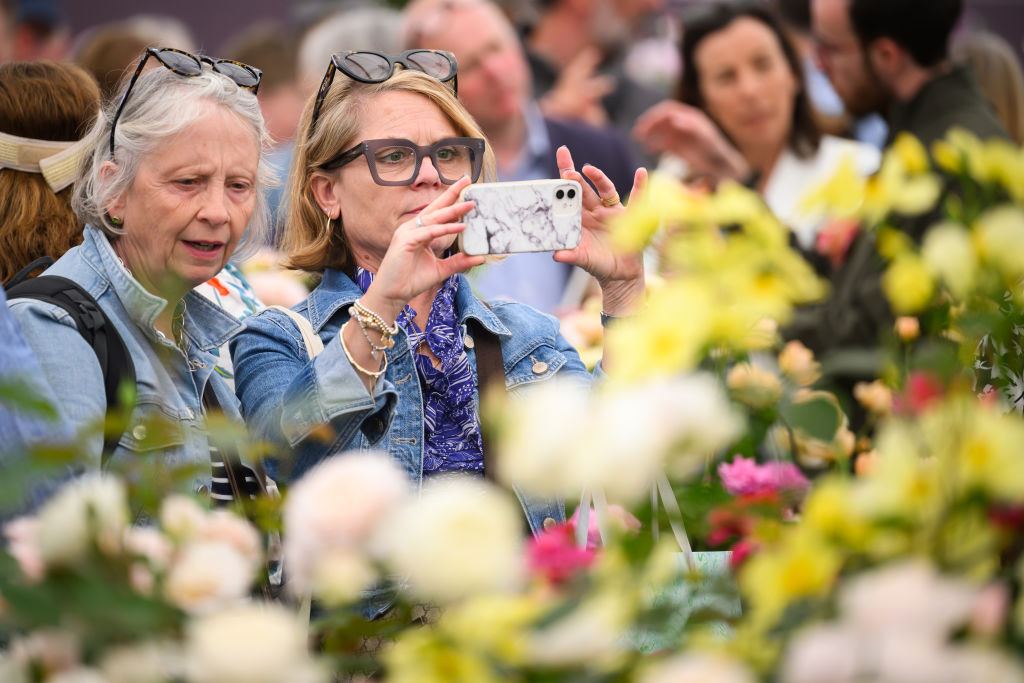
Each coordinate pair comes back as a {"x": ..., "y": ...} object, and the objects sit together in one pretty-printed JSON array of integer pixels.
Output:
[
  {"x": 571, "y": 194},
  {"x": 559, "y": 194}
]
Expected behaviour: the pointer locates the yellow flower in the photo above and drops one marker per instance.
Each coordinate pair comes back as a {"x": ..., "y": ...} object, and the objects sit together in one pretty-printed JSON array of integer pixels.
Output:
[
  {"x": 947, "y": 157},
  {"x": 797, "y": 362},
  {"x": 907, "y": 481},
  {"x": 749, "y": 384},
  {"x": 908, "y": 285},
  {"x": 999, "y": 236},
  {"x": 989, "y": 454},
  {"x": 664, "y": 201},
  {"x": 492, "y": 625},
  {"x": 803, "y": 566},
  {"x": 423, "y": 656},
  {"x": 658, "y": 340},
  {"x": 841, "y": 195},
  {"x": 893, "y": 243},
  {"x": 949, "y": 253},
  {"x": 911, "y": 154},
  {"x": 830, "y": 511}
]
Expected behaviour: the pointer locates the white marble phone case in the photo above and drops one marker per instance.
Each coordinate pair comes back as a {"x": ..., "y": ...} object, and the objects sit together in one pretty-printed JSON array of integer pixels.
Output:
[{"x": 510, "y": 218}]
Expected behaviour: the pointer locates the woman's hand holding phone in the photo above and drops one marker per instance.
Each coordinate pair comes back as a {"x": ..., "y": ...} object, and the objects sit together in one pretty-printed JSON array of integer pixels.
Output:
[{"x": 621, "y": 276}]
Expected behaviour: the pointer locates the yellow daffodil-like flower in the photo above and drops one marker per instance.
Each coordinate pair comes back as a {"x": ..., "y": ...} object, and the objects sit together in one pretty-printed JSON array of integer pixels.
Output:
[
  {"x": 841, "y": 195},
  {"x": 908, "y": 284},
  {"x": 423, "y": 655},
  {"x": 803, "y": 566},
  {"x": 999, "y": 237},
  {"x": 949, "y": 253},
  {"x": 494, "y": 626},
  {"x": 907, "y": 482},
  {"x": 831, "y": 511},
  {"x": 663, "y": 202},
  {"x": 911, "y": 153}
]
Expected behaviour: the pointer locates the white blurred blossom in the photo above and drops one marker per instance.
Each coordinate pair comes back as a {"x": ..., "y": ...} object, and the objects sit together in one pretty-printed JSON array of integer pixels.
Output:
[
  {"x": 591, "y": 635},
  {"x": 698, "y": 668},
  {"x": 250, "y": 643},
  {"x": 208, "y": 575},
  {"x": 341, "y": 575},
  {"x": 461, "y": 537},
  {"x": 146, "y": 662},
  {"x": 22, "y": 543},
  {"x": 89, "y": 510},
  {"x": 181, "y": 517},
  {"x": 337, "y": 505}
]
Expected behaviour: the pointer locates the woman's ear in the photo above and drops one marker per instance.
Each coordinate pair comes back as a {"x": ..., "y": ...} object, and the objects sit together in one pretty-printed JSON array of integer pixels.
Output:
[
  {"x": 108, "y": 173},
  {"x": 324, "y": 193}
]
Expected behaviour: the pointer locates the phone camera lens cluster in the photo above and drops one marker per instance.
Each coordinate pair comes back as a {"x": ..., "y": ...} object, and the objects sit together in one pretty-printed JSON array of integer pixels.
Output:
[
  {"x": 559, "y": 194},
  {"x": 570, "y": 193}
]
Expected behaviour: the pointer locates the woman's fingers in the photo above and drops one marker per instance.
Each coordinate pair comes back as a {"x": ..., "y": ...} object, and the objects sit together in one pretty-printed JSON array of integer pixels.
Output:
[
  {"x": 639, "y": 182},
  {"x": 446, "y": 214},
  {"x": 605, "y": 187}
]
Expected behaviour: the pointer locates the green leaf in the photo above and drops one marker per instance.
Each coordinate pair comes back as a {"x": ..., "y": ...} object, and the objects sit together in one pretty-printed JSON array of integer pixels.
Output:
[{"x": 819, "y": 418}]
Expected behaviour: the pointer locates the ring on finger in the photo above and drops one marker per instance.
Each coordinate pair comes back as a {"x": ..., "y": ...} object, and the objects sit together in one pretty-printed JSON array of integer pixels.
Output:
[
  {"x": 419, "y": 221},
  {"x": 610, "y": 201}
]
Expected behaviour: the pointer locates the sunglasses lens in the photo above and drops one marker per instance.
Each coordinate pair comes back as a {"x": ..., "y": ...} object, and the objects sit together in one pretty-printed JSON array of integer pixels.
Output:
[
  {"x": 432, "y": 64},
  {"x": 179, "y": 62},
  {"x": 373, "y": 68},
  {"x": 238, "y": 73}
]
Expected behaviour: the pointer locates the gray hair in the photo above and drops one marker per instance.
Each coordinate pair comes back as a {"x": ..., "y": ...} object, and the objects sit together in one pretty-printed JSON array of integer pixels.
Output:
[
  {"x": 161, "y": 105},
  {"x": 362, "y": 28}
]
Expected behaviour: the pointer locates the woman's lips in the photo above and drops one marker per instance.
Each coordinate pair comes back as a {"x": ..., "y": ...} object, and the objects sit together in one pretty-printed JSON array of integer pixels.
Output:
[{"x": 203, "y": 249}]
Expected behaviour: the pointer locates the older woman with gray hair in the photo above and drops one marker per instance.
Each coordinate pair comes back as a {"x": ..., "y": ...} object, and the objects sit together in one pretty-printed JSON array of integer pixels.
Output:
[{"x": 171, "y": 189}]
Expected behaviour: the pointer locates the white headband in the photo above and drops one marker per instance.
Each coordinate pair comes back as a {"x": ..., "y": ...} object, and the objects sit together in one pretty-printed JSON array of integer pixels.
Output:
[{"x": 57, "y": 161}]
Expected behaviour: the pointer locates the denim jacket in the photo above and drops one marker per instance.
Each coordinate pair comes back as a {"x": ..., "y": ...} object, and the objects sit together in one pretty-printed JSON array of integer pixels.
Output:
[
  {"x": 288, "y": 399},
  {"x": 169, "y": 383}
]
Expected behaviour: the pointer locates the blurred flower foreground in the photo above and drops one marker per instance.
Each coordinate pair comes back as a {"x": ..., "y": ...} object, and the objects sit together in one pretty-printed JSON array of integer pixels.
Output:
[{"x": 751, "y": 520}]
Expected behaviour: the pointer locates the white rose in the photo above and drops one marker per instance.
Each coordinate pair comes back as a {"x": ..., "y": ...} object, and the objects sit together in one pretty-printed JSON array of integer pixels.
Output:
[
  {"x": 226, "y": 527},
  {"x": 181, "y": 517},
  {"x": 541, "y": 436},
  {"x": 700, "y": 418},
  {"x": 337, "y": 505},
  {"x": 822, "y": 653},
  {"x": 339, "y": 576},
  {"x": 698, "y": 668},
  {"x": 208, "y": 575},
  {"x": 88, "y": 510},
  {"x": 79, "y": 675},
  {"x": 154, "y": 550},
  {"x": 147, "y": 662},
  {"x": 22, "y": 536},
  {"x": 250, "y": 644},
  {"x": 591, "y": 635},
  {"x": 462, "y": 537}
]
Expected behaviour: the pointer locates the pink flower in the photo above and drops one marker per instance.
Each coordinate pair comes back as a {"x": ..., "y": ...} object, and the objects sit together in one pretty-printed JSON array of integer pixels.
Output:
[
  {"x": 921, "y": 390},
  {"x": 553, "y": 554},
  {"x": 744, "y": 477}
]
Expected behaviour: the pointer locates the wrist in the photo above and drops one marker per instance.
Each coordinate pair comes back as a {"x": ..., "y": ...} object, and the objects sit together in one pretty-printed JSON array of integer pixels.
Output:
[{"x": 622, "y": 298}]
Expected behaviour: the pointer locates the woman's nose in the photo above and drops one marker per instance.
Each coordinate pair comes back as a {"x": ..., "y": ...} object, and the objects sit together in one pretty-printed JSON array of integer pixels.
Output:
[
  {"x": 428, "y": 174},
  {"x": 214, "y": 209}
]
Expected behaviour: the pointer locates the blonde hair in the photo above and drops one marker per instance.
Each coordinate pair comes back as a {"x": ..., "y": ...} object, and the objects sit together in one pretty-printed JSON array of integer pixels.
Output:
[
  {"x": 310, "y": 241},
  {"x": 999, "y": 74}
]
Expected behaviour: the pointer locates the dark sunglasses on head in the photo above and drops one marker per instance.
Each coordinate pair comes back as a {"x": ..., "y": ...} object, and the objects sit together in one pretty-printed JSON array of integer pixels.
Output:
[
  {"x": 368, "y": 66},
  {"x": 187, "y": 64},
  {"x": 396, "y": 161}
]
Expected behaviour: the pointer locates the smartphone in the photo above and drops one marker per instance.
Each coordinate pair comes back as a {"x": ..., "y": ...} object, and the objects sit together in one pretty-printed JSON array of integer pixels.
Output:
[{"x": 518, "y": 217}]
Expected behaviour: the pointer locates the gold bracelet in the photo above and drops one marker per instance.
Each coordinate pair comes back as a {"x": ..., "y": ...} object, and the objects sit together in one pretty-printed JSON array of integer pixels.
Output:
[
  {"x": 386, "y": 341},
  {"x": 357, "y": 366},
  {"x": 390, "y": 331}
]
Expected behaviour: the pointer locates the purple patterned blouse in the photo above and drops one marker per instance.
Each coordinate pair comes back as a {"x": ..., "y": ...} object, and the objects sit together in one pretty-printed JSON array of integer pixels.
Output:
[{"x": 452, "y": 432}]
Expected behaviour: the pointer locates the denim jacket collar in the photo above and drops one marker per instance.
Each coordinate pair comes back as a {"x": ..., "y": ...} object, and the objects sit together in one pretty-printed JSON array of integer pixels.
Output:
[
  {"x": 206, "y": 325},
  {"x": 337, "y": 290}
]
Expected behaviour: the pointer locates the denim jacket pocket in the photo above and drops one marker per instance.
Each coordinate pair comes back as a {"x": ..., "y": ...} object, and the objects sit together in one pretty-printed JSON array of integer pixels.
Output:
[{"x": 535, "y": 364}]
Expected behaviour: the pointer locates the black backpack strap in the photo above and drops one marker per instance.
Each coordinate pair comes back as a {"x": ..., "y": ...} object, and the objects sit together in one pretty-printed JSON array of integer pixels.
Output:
[
  {"x": 490, "y": 370},
  {"x": 94, "y": 326},
  {"x": 21, "y": 275}
]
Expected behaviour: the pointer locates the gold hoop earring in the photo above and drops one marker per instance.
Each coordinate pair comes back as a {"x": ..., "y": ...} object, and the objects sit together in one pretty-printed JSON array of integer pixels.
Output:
[{"x": 327, "y": 215}]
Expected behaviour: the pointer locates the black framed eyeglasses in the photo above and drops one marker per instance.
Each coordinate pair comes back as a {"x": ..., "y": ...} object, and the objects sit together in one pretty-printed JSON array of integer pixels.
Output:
[
  {"x": 190, "y": 65},
  {"x": 395, "y": 161},
  {"x": 369, "y": 66}
]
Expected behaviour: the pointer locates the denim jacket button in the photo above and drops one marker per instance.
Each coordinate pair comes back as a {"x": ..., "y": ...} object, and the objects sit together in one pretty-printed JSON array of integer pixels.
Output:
[
  {"x": 549, "y": 523},
  {"x": 540, "y": 367},
  {"x": 468, "y": 342},
  {"x": 139, "y": 432}
]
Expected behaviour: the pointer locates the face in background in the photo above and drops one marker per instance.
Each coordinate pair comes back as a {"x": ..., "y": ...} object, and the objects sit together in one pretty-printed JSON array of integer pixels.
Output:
[
  {"x": 190, "y": 203},
  {"x": 746, "y": 84},
  {"x": 494, "y": 80},
  {"x": 614, "y": 23},
  {"x": 369, "y": 212},
  {"x": 842, "y": 58}
]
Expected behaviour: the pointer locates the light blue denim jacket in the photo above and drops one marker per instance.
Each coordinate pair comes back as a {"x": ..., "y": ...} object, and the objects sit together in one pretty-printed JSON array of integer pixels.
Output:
[
  {"x": 169, "y": 382},
  {"x": 286, "y": 398}
]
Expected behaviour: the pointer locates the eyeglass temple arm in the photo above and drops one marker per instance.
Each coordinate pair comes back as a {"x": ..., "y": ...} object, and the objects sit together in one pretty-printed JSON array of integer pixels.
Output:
[{"x": 124, "y": 98}]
